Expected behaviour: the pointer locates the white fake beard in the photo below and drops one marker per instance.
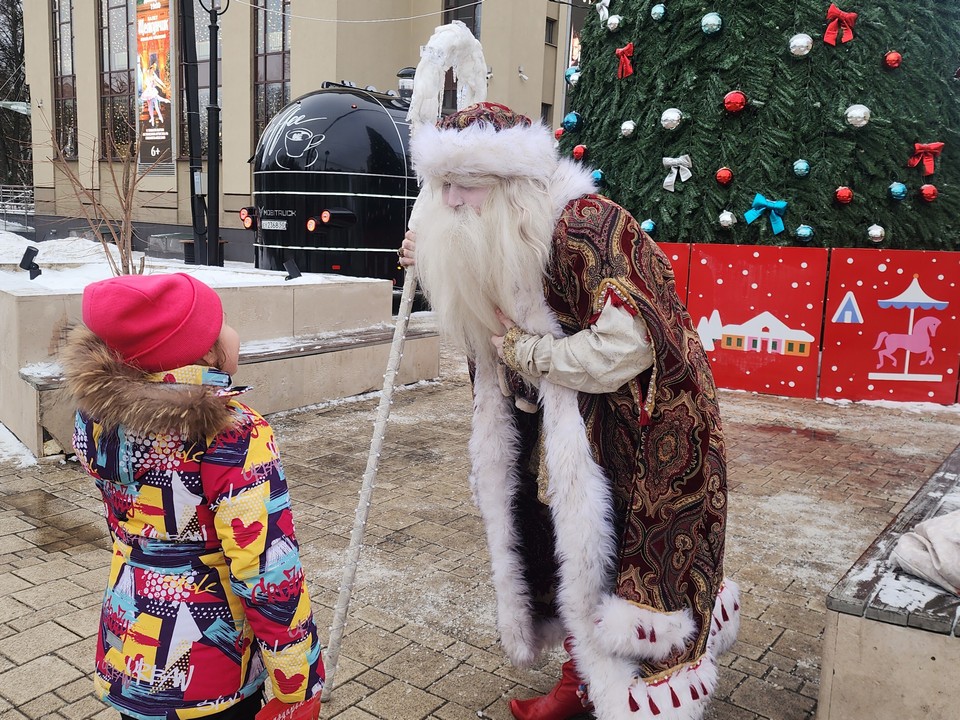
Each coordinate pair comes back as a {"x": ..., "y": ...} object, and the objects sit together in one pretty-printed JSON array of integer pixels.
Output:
[{"x": 470, "y": 263}]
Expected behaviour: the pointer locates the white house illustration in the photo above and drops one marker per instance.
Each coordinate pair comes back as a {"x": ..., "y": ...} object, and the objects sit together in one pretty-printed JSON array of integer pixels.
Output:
[
  {"x": 766, "y": 332},
  {"x": 848, "y": 311}
]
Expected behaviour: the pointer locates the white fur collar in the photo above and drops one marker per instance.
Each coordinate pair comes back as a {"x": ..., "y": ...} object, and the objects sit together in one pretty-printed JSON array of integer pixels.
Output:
[{"x": 570, "y": 181}]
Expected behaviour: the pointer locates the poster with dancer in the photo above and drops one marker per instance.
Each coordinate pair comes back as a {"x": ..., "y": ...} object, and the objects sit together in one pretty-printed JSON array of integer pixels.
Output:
[
  {"x": 891, "y": 330},
  {"x": 759, "y": 310},
  {"x": 154, "y": 84}
]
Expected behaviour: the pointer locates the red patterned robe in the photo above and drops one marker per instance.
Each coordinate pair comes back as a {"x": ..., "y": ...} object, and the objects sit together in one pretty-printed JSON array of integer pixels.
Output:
[{"x": 636, "y": 485}]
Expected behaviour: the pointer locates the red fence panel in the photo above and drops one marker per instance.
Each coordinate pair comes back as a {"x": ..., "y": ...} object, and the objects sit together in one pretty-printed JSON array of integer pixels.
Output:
[
  {"x": 679, "y": 256},
  {"x": 759, "y": 312},
  {"x": 891, "y": 330}
]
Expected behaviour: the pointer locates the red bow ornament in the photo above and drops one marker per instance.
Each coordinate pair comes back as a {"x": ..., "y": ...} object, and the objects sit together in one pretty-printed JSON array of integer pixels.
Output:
[
  {"x": 925, "y": 153},
  {"x": 839, "y": 19},
  {"x": 626, "y": 67}
]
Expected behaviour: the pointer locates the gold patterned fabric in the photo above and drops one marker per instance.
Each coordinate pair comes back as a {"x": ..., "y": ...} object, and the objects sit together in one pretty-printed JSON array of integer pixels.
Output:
[{"x": 658, "y": 438}]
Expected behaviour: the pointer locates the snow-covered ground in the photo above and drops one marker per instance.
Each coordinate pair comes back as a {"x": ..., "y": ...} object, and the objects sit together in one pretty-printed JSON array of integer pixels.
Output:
[{"x": 12, "y": 450}]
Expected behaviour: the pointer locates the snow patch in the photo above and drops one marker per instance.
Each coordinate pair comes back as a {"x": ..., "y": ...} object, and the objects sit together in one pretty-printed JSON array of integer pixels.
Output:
[
  {"x": 906, "y": 592},
  {"x": 12, "y": 450}
]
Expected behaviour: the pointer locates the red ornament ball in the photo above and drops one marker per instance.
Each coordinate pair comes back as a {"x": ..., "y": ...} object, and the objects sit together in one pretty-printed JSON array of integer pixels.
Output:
[
  {"x": 928, "y": 192},
  {"x": 734, "y": 101},
  {"x": 892, "y": 59},
  {"x": 558, "y": 133},
  {"x": 579, "y": 152},
  {"x": 844, "y": 195},
  {"x": 724, "y": 176}
]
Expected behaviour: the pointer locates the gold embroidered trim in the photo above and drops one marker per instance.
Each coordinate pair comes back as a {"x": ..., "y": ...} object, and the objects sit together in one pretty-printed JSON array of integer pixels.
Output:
[
  {"x": 665, "y": 674},
  {"x": 608, "y": 285},
  {"x": 651, "y": 608},
  {"x": 543, "y": 477},
  {"x": 510, "y": 348}
]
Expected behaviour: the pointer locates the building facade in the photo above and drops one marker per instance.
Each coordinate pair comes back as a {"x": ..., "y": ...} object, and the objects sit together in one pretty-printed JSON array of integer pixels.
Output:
[{"x": 101, "y": 78}]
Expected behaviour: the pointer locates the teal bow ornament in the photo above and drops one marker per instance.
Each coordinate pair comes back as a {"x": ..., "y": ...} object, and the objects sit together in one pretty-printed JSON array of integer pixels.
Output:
[{"x": 760, "y": 205}]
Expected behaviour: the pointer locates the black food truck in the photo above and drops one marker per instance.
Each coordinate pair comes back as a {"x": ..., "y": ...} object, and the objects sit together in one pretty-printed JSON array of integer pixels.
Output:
[{"x": 332, "y": 184}]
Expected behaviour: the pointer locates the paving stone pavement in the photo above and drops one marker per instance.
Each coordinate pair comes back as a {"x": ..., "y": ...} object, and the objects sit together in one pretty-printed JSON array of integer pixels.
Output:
[{"x": 811, "y": 484}]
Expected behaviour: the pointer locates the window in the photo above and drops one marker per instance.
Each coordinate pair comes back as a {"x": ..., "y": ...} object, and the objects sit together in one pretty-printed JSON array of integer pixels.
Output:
[
  {"x": 546, "y": 113},
  {"x": 201, "y": 18},
  {"x": 802, "y": 348},
  {"x": 118, "y": 57},
  {"x": 754, "y": 344},
  {"x": 64, "y": 79},
  {"x": 550, "y": 34},
  {"x": 739, "y": 342},
  {"x": 774, "y": 345},
  {"x": 728, "y": 341},
  {"x": 790, "y": 347},
  {"x": 467, "y": 12},
  {"x": 271, "y": 62}
]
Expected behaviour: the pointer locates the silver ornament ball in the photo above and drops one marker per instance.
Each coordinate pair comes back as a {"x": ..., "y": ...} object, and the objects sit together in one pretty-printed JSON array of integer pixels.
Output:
[
  {"x": 858, "y": 115},
  {"x": 727, "y": 219},
  {"x": 876, "y": 233},
  {"x": 671, "y": 118},
  {"x": 800, "y": 45},
  {"x": 711, "y": 23},
  {"x": 627, "y": 128},
  {"x": 658, "y": 11},
  {"x": 613, "y": 23}
]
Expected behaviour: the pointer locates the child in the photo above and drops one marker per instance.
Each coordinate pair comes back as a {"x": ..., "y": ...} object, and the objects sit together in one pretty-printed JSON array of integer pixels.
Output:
[{"x": 206, "y": 597}]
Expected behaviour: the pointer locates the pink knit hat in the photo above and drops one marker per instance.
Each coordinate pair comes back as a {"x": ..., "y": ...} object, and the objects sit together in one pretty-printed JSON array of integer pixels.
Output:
[{"x": 154, "y": 322}]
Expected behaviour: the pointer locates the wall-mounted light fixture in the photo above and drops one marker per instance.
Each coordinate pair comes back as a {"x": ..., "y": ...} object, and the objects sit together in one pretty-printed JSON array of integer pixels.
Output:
[{"x": 27, "y": 262}]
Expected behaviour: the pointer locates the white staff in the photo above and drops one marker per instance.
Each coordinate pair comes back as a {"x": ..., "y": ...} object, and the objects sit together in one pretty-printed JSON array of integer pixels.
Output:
[{"x": 450, "y": 46}]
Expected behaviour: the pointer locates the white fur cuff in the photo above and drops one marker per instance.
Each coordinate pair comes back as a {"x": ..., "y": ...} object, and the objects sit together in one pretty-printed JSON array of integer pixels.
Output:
[
  {"x": 482, "y": 151},
  {"x": 682, "y": 695},
  {"x": 726, "y": 618},
  {"x": 635, "y": 632}
]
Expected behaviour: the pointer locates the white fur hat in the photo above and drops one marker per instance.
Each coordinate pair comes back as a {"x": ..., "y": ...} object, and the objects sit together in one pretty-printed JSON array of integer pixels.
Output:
[{"x": 484, "y": 139}]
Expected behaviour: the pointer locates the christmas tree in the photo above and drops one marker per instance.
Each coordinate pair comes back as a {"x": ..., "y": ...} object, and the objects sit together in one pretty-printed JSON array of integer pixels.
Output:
[{"x": 775, "y": 121}]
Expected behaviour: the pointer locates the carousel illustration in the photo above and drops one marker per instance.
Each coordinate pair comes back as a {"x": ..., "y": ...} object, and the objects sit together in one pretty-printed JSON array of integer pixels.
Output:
[{"x": 917, "y": 340}]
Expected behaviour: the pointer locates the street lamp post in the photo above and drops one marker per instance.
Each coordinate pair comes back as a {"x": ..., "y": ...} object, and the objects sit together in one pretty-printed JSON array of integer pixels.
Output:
[{"x": 209, "y": 252}]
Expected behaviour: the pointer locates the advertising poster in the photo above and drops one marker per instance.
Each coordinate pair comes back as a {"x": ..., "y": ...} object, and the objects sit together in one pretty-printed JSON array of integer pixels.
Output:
[
  {"x": 891, "y": 329},
  {"x": 759, "y": 311},
  {"x": 154, "y": 84}
]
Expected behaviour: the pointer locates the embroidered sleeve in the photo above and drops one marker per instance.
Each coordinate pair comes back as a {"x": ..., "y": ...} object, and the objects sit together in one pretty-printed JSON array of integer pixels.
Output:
[{"x": 242, "y": 474}]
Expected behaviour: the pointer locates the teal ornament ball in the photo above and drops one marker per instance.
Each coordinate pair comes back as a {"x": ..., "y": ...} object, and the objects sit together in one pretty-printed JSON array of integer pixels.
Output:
[
  {"x": 711, "y": 23},
  {"x": 648, "y": 226},
  {"x": 898, "y": 191},
  {"x": 805, "y": 233},
  {"x": 572, "y": 122},
  {"x": 598, "y": 178},
  {"x": 571, "y": 75},
  {"x": 801, "y": 168},
  {"x": 657, "y": 12}
]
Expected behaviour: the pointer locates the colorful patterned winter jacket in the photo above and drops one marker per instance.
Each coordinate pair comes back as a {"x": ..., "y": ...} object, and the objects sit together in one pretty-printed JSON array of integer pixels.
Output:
[{"x": 206, "y": 595}]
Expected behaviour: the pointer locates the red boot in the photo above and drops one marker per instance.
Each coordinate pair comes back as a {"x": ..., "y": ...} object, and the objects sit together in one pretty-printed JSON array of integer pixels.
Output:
[{"x": 561, "y": 703}]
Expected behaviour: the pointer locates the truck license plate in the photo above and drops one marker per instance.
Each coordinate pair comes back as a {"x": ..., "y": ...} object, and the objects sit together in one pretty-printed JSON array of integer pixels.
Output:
[{"x": 273, "y": 224}]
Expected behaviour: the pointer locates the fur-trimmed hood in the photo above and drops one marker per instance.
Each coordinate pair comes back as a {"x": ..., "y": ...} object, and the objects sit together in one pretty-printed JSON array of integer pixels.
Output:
[
  {"x": 114, "y": 393},
  {"x": 570, "y": 180}
]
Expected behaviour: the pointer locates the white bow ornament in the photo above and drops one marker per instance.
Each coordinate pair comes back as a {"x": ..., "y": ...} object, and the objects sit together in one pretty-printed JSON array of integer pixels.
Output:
[
  {"x": 677, "y": 166},
  {"x": 603, "y": 8}
]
